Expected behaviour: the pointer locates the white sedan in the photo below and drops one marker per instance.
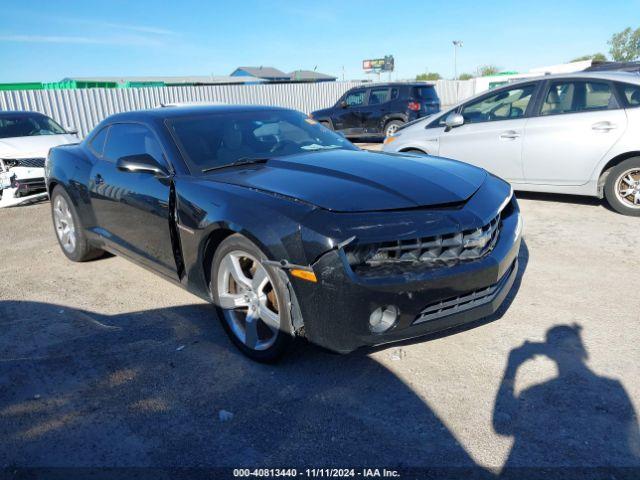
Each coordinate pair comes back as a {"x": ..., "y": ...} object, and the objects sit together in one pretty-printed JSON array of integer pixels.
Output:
[
  {"x": 25, "y": 140},
  {"x": 571, "y": 133}
]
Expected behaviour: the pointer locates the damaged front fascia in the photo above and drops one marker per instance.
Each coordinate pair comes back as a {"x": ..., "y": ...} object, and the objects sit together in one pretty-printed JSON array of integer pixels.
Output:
[
  {"x": 9, "y": 172},
  {"x": 286, "y": 265}
]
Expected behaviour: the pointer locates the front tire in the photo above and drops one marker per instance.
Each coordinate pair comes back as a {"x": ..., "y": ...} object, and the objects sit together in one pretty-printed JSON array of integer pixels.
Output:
[
  {"x": 251, "y": 299},
  {"x": 69, "y": 229},
  {"x": 622, "y": 188}
]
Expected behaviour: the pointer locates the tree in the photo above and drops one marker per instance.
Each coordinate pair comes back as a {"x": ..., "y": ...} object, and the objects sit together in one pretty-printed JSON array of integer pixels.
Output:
[
  {"x": 465, "y": 76},
  {"x": 596, "y": 57},
  {"x": 625, "y": 45},
  {"x": 487, "y": 70},
  {"x": 428, "y": 76}
]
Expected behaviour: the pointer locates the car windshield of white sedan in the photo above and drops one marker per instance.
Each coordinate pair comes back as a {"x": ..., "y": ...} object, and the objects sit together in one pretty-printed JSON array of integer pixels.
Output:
[
  {"x": 28, "y": 126},
  {"x": 216, "y": 140}
]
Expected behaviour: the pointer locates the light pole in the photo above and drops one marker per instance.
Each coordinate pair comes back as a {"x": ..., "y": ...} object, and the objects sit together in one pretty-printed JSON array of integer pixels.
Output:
[{"x": 456, "y": 44}]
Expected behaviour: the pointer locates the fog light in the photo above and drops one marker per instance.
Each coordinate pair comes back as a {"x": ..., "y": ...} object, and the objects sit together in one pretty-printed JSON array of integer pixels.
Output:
[{"x": 383, "y": 318}]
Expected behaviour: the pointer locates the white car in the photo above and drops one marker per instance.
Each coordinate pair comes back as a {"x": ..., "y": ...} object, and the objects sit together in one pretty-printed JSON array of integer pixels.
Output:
[
  {"x": 25, "y": 140},
  {"x": 571, "y": 133}
]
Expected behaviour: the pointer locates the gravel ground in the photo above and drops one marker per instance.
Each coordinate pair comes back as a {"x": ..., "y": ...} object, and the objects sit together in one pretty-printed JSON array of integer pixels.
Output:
[{"x": 105, "y": 364}]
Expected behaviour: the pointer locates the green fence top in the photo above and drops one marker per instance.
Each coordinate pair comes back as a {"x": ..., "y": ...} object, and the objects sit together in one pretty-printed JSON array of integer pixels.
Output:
[{"x": 21, "y": 86}]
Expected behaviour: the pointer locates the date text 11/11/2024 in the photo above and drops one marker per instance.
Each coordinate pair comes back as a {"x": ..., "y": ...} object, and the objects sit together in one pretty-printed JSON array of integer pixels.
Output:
[{"x": 316, "y": 473}]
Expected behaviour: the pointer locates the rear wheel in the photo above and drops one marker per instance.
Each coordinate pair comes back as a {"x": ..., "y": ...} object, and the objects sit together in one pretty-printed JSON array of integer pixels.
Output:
[
  {"x": 68, "y": 227},
  {"x": 622, "y": 189},
  {"x": 392, "y": 127},
  {"x": 252, "y": 300}
]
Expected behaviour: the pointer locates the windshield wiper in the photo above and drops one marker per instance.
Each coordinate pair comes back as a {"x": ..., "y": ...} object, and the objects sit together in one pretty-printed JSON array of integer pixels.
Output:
[{"x": 236, "y": 163}]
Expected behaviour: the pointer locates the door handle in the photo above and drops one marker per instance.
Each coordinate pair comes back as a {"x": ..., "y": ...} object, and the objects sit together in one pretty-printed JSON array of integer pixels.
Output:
[
  {"x": 603, "y": 126},
  {"x": 509, "y": 135},
  {"x": 99, "y": 180}
]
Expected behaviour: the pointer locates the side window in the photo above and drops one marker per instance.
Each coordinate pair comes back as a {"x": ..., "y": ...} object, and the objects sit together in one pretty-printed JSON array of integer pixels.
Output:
[
  {"x": 504, "y": 105},
  {"x": 631, "y": 94},
  {"x": 131, "y": 139},
  {"x": 395, "y": 93},
  {"x": 97, "y": 143},
  {"x": 378, "y": 96},
  {"x": 578, "y": 96},
  {"x": 355, "y": 99}
]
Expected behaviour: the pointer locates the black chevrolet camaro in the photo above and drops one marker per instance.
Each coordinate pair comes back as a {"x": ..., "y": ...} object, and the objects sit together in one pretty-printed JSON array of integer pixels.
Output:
[{"x": 289, "y": 229}]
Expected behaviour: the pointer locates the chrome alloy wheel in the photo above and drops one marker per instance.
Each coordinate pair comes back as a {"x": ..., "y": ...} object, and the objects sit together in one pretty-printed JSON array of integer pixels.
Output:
[
  {"x": 628, "y": 188},
  {"x": 391, "y": 129},
  {"x": 246, "y": 293},
  {"x": 65, "y": 228}
]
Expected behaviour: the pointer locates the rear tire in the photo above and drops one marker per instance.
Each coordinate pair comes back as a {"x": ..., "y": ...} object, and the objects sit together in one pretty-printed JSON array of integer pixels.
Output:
[
  {"x": 622, "y": 188},
  {"x": 251, "y": 299},
  {"x": 69, "y": 230},
  {"x": 391, "y": 127}
]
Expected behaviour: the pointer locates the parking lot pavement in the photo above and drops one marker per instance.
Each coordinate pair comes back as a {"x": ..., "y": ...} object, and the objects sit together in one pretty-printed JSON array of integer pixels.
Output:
[
  {"x": 105, "y": 364},
  {"x": 376, "y": 146}
]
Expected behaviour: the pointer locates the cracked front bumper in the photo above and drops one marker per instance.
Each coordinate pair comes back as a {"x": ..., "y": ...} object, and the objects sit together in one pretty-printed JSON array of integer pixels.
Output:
[{"x": 336, "y": 310}]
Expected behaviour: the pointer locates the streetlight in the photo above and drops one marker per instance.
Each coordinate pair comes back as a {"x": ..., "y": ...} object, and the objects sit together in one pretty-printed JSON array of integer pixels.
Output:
[{"x": 456, "y": 44}]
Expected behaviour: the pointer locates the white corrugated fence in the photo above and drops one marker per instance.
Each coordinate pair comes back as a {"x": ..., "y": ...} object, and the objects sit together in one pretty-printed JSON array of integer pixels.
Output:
[{"x": 84, "y": 109}]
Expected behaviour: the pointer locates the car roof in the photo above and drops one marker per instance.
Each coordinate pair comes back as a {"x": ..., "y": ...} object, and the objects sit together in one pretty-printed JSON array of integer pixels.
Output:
[
  {"x": 187, "y": 111},
  {"x": 18, "y": 113},
  {"x": 616, "y": 76},
  {"x": 394, "y": 84},
  {"x": 629, "y": 77}
]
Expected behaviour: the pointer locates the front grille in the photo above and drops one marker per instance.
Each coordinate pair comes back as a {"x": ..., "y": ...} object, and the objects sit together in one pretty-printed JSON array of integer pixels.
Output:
[
  {"x": 30, "y": 162},
  {"x": 437, "y": 250},
  {"x": 463, "y": 302},
  {"x": 31, "y": 182}
]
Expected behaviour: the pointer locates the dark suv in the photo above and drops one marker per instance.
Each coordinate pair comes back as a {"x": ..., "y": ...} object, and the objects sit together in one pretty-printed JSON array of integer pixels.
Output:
[{"x": 373, "y": 111}]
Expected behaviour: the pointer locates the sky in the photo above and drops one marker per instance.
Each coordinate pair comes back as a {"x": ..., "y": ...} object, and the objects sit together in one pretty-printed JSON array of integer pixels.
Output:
[{"x": 48, "y": 40}]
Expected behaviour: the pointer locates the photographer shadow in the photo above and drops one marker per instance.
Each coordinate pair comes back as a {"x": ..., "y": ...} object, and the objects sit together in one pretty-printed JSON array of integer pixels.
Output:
[{"x": 577, "y": 419}]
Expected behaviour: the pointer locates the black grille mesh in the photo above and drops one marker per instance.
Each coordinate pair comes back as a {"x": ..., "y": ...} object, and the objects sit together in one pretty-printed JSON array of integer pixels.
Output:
[
  {"x": 463, "y": 302},
  {"x": 29, "y": 162},
  {"x": 436, "y": 250}
]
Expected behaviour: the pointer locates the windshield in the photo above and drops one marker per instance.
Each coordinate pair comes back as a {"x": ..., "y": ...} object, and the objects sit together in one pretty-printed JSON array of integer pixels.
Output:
[
  {"x": 28, "y": 125},
  {"x": 218, "y": 139}
]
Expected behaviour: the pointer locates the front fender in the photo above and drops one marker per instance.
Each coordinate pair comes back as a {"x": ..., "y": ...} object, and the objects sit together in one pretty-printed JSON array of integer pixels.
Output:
[{"x": 206, "y": 208}]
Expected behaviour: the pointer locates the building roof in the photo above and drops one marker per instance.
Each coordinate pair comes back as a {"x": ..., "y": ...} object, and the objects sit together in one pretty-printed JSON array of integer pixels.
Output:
[
  {"x": 263, "y": 72},
  {"x": 309, "y": 75}
]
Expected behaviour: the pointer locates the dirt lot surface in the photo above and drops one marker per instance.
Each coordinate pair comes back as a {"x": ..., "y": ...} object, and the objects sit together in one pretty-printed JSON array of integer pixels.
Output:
[{"x": 105, "y": 364}]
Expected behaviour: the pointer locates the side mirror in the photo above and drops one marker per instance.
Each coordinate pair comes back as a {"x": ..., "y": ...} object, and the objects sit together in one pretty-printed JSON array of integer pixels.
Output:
[
  {"x": 71, "y": 130},
  {"x": 344, "y": 104},
  {"x": 453, "y": 120},
  {"x": 142, "y": 163}
]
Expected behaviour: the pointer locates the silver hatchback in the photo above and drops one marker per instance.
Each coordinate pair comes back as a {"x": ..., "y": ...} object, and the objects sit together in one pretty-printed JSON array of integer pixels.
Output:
[{"x": 571, "y": 133}]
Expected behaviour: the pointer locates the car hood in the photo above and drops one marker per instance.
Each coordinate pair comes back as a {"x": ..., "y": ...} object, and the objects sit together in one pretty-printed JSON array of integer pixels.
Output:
[
  {"x": 35, "y": 146},
  {"x": 357, "y": 181}
]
